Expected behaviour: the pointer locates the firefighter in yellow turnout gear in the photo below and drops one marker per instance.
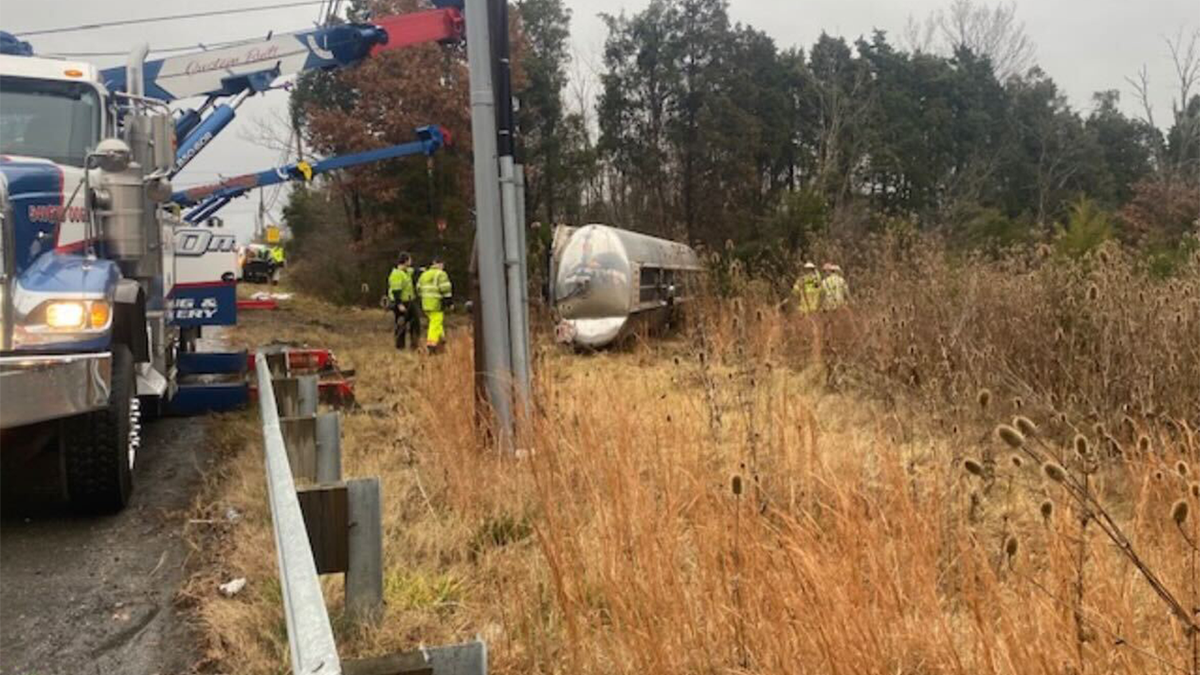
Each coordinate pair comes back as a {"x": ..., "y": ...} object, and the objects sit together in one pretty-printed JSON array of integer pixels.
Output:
[
  {"x": 807, "y": 290},
  {"x": 436, "y": 294}
]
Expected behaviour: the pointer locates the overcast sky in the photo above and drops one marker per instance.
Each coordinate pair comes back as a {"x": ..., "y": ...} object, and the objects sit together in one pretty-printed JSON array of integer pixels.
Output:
[{"x": 1085, "y": 45}]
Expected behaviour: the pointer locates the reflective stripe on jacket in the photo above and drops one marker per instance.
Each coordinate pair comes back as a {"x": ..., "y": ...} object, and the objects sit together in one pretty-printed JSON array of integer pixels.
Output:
[{"x": 432, "y": 287}]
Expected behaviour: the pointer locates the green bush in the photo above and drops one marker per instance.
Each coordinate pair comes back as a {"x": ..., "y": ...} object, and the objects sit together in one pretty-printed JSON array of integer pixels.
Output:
[{"x": 1087, "y": 227}]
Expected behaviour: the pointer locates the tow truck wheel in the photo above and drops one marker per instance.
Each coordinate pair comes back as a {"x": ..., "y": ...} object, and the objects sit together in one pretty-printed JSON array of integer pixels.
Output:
[{"x": 98, "y": 448}]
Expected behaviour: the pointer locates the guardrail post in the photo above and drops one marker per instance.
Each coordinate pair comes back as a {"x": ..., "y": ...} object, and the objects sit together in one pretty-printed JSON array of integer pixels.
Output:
[
  {"x": 326, "y": 515},
  {"x": 463, "y": 659},
  {"x": 287, "y": 396},
  {"x": 297, "y": 396},
  {"x": 364, "y": 574},
  {"x": 300, "y": 441},
  {"x": 329, "y": 447},
  {"x": 277, "y": 363},
  {"x": 308, "y": 386}
]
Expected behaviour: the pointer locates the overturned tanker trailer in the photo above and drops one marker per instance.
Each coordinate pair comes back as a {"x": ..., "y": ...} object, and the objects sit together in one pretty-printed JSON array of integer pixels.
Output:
[{"x": 606, "y": 283}]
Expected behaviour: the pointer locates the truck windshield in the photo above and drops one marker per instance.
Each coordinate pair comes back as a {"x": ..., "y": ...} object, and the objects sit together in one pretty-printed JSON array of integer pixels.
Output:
[{"x": 58, "y": 121}]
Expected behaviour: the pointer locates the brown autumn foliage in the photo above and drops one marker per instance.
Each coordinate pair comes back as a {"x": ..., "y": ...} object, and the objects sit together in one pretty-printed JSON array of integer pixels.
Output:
[
  {"x": 381, "y": 101},
  {"x": 770, "y": 493},
  {"x": 1098, "y": 336},
  {"x": 1163, "y": 209}
]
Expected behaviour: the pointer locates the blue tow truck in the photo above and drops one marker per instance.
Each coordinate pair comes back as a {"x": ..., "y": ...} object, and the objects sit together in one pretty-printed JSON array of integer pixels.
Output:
[{"x": 105, "y": 284}]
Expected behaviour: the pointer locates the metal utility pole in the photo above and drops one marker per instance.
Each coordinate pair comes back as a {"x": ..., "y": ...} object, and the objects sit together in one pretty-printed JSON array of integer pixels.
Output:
[
  {"x": 524, "y": 249},
  {"x": 493, "y": 285},
  {"x": 510, "y": 189}
]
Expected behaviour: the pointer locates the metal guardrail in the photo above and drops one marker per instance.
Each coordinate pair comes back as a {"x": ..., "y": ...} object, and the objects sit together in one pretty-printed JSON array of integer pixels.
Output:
[
  {"x": 332, "y": 526},
  {"x": 310, "y": 635}
]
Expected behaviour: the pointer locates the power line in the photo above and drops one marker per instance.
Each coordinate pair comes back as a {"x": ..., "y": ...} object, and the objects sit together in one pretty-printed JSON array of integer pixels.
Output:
[
  {"x": 171, "y": 17},
  {"x": 203, "y": 46}
]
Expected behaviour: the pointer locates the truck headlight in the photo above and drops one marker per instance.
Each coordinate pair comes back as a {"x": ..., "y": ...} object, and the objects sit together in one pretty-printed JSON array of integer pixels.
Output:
[
  {"x": 76, "y": 315},
  {"x": 65, "y": 315}
]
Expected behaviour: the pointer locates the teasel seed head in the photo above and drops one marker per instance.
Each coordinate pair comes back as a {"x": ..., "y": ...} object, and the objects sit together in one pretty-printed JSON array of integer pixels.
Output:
[
  {"x": 1010, "y": 435},
  {"x": 1179, "y": 512},
  {"x": 984, "y": 398},
  {"x": 1082, "y": 447},
  {"x": 1054, "y": 471},
  {"x": 973, "y": 467},
  {"x": 1025, "y": 425},
  {"x": 1011, "y": 545},
  {"x": 1047, "y": 509}
]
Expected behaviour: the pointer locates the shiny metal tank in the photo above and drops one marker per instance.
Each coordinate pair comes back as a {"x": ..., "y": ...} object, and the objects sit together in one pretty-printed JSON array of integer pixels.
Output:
[{"x": 596, "y": 272}]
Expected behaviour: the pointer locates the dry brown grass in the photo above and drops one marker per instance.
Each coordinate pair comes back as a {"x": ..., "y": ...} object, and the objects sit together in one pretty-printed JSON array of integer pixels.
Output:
[{"x": 708, "y": 504}]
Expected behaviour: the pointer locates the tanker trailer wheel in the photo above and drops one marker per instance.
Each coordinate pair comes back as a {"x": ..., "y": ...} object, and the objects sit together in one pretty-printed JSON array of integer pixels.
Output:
[{"x": 99, "y": 447}]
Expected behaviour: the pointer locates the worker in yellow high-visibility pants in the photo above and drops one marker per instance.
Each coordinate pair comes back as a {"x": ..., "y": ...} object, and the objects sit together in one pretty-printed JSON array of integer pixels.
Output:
[{"x": 436, "y": 294}]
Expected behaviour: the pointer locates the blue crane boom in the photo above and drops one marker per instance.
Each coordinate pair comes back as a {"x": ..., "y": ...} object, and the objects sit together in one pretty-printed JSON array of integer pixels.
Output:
[
  {"x": 206, "y": 200},
  {"x": 240, "y": 71}
]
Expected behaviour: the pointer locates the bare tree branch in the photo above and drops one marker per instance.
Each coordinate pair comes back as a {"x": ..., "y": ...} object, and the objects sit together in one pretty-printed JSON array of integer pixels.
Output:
[
  {"x": 1141, "y": 90},
  {"x": 1185, "y": 139},
  {"x": 918, "y": 36},
  {"x": 272, "y": 131},
  {"x": 993, "y": 32}
]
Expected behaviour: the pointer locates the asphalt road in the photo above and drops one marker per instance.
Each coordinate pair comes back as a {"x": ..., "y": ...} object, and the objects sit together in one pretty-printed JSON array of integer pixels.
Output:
[{"x": 85, "y": 596}]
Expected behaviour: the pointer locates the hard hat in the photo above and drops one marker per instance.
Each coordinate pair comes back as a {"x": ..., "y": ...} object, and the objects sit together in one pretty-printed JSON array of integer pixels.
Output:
[
  {"x": 809, "y": 266},
  {"x": 829, "y": 267}
]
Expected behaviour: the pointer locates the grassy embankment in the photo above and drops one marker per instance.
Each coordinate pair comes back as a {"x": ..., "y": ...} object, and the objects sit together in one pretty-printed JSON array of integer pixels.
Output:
[{"x": 772, "y": 494}]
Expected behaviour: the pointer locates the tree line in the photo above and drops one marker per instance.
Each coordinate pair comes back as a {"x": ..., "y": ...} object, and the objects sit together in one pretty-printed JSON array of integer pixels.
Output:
[{"x": 705, "y": 130}]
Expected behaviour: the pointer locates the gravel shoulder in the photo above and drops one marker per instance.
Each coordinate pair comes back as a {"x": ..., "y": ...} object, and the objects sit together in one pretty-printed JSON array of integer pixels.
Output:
[{"x": 84, "y": 595}]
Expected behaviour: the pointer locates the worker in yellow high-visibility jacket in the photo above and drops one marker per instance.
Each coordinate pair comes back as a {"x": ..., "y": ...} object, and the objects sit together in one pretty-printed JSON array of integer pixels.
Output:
[
  {"x": 403, "y": 296},
  {"x": 436, "y": 294},
  {"x": 280, "y": 260},
  {"x": 807, "y": 289},
  {"x": 834, "y": 290}
]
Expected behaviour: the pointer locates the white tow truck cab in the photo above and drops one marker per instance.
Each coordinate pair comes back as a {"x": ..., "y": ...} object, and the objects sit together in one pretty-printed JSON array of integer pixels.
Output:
[{"x": 89, "y": 268}]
